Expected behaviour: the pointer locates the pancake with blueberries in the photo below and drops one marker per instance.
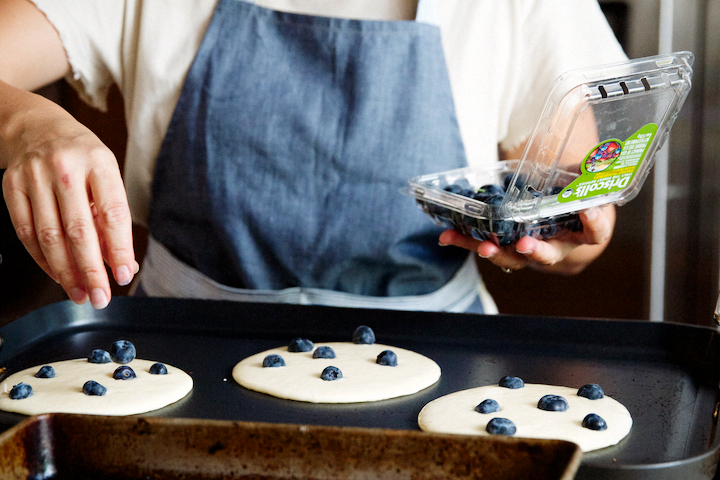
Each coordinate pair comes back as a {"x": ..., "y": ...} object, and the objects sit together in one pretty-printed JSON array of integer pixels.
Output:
[
  {"x": 337, "y": 372},
  {"x": 585, "y": 416},
  {"x": 105, "y": 383}
]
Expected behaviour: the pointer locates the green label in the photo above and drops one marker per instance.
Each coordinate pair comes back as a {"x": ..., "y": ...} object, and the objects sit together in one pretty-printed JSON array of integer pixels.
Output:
[{"x": 610, "y": 166}]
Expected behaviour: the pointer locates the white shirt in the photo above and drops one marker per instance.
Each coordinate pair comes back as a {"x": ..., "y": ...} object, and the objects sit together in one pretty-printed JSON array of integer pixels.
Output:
[{"x": 502, "y": 56}]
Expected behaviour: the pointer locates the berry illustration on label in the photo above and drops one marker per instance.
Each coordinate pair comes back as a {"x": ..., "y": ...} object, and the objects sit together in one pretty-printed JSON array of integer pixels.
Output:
[{"x": 603, "y": 156}]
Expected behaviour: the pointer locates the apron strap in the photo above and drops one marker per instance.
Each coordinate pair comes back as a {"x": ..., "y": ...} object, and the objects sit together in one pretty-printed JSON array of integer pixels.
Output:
[
  {"x": 458, "y": 295},
  {"x": 426, "y": 12}
]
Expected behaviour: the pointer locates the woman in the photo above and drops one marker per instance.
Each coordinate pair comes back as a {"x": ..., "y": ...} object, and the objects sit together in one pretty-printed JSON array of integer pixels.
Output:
[{"x": 267, "y": 142}]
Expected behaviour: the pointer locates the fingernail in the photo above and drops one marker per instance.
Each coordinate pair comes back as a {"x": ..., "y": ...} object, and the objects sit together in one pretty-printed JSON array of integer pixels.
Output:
[
  {"x": 484, "y": 256},
  {"x": 442, "y": 244},
  {"x": 98, "y": 298},
  {"x": 123, "y": 275},
  {"x": 137, "y": 268},
  {"x": 78, "y": 295},
  {"x": 528, "y": 252}
]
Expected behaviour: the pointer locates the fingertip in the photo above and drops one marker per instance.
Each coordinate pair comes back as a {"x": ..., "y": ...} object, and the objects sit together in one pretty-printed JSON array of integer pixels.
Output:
[
  {"x": 78, "y": 295},
  {"x": 487, "y": 250},
  {"x": 99, "y": 298},
  {"x": 597, "y": 227},
  {"x": 526, "y": 245},
  {"x": 591, "y": 214},
  {"x": 123, "y": 276},
  {"x": 446, "y": 238}
]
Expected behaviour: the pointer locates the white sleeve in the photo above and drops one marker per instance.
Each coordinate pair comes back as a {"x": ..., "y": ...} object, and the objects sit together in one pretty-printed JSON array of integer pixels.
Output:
[
  {"x": 555, "y": 37},
  {"x": 91, "y": 32}
]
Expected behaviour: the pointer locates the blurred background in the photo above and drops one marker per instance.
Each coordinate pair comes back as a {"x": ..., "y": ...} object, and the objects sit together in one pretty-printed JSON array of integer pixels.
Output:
[{"x": 663, "y": 263}]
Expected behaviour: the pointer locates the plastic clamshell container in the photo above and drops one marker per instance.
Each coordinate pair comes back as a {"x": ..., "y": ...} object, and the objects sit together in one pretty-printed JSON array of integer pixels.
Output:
[
  {"x": 451, "y": 199},
  {"x": 594, "y": 144}
]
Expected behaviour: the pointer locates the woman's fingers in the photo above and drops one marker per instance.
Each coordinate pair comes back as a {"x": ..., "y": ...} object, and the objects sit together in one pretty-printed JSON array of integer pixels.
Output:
[
  {"x": 70, "y": 210},
  {"x": 65, "y": 197},
  {"x": 598, "y": 225},
  {"x": 21, "y": 216},
  {"x": 567, "y": 254},
  {"x": 81, "y": 238},
  {"x": 504, "y": 257},
  {"x": 114, "y": 224}
]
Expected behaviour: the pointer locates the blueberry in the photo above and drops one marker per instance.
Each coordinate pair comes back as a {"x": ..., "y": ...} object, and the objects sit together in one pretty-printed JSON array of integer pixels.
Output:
[
  {"x": 462, "y": 183},
  {"x": 453, "y": 188},
  {"x": 363, "y": 335},
  {"x": 331, "y": 373},
  {"x": 488, "y": 406},
  {"x": 507, "y": 180},
  {"x": 480, "y": 196},
  {"x": 300, "y": 345},
  {"x": 519, "y": 183},
  {"x": 387, "y": 358},
  {"x": 592, "y": 391},
  {"x": 45, "y": 372},
  {"x": 511, "y": 382},
  {"x": 556, "y": 189},
  {"x": 488, "y": 198},
  {"x": 530, "y": 229},
  {"x": 92, "y": 387},
  {"x": 468, "y": 220},
  {"x": 20, "y": 391},
  {"x": 99, "y": 356},
  {"x": 573, "y": 223},
  {"x": 437, "y": 210},
  {"x": 504, "y": 230},
  {"x": 493, "y": 199},
  {"x": 492, "y": 189},
  {"x": 123, "y": 352},
  {"x": 482, "y": 232},
  {"x": 272, "y": 361},
  {"x": 158, "y": 369},
  {"x": 549, "y": 228},
  {"x": 552, "y": 403},
  {"x": 123, "y": 373},
  {"x": 324, "y": 352},
  {"x": 594, "y": 422},
  {"x": 501, "y": 426}
]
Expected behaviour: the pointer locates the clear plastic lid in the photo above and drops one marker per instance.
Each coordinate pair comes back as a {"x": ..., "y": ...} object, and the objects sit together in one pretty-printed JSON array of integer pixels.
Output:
[{"x": 605, "y": 125}]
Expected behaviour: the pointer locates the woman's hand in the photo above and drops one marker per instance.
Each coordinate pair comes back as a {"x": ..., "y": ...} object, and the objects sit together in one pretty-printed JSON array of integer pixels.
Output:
[
  {"x": 62, "y": 186},
  {"x": 65, "y": 196},
  {"x": 567, "y": 255}
]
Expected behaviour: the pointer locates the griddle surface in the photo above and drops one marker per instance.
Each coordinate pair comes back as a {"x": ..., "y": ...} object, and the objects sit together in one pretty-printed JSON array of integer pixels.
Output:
[{"x": 665, "y": 374}]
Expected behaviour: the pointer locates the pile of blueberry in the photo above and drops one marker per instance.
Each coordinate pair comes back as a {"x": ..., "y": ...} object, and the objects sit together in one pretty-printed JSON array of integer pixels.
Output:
[
  {"x": 363, "y": 335},
  {"x": 549, "y": 403},
  {"x": 498, "y": 230},
  {"x": 122, "y": 352}
]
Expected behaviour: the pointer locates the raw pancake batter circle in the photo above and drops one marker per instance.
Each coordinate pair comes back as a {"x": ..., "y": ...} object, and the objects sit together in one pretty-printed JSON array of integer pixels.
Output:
[
  {"x": 64, "y": 392},
  {"x": 455, "y": 413},
  {"x": 363, "y": 379}
]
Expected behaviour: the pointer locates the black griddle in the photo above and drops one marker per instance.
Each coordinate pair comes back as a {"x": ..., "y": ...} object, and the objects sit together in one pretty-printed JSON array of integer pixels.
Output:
[{"x": 666, "y": 374}]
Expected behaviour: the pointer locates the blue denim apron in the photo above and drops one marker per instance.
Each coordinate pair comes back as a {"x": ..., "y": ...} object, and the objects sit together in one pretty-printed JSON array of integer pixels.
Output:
[{"x": 279, "y": 177}]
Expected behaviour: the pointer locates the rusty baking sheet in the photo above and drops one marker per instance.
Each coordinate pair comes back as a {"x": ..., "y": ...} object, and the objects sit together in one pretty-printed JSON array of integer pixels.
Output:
[
  {"x": 79, "y": 447},
  {"x": 666, "y": 374}
]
